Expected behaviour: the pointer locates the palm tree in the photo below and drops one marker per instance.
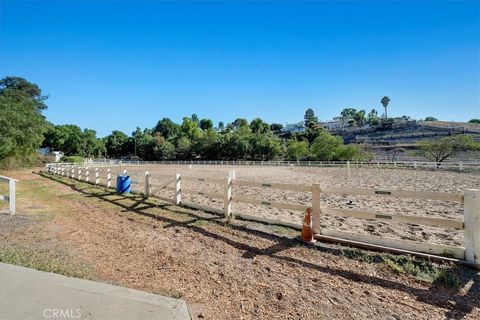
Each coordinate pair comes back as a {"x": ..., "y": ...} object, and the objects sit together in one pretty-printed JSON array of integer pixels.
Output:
[{"x": 385, "y": 101}]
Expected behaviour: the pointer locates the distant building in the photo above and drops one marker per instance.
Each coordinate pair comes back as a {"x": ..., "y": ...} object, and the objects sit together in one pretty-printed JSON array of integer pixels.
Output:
[
  {"x": 335, "y": 124},
  {"x": 293, "y": 127},
  {"x": 48, "y": 152}
]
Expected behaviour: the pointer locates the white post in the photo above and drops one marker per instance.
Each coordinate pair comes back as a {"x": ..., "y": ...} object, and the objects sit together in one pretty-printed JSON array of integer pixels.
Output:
[
  {"x": 415, "y": 165},
  {"x": 11, "y": 196},
  {"x": 460, "y": 166},
  {"x": 109, "y": 178},
  {"x": 472, "y": 225},
  {"x": 178, "y": 189},
  {"x": 79, "y": 174},
  {"x": 316, "y": 211},
  {"x": 348, "y": 169},
  {"x": 87, "y": 174},
  {"x": 148, "y": 184},
  {"x": 227, "y": 201},
  {"x": 97, "y": 177},
  {"x": 73, "y": 172},
  {"x": 232, "y": 174}
]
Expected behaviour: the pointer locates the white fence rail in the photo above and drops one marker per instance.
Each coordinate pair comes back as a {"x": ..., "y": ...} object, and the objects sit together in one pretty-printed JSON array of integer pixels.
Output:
[
  {"x": 172, "y": 183},
  {"x": 385, "y": 164},
  {"x": 11, "y": 197}
]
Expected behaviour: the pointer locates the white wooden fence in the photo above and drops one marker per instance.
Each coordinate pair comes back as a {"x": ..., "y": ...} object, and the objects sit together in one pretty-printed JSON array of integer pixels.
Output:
[
  {"x": 470, "y": 199},
  {"x": 11, "y": 197},
  {"x": 384, "y": 164}
]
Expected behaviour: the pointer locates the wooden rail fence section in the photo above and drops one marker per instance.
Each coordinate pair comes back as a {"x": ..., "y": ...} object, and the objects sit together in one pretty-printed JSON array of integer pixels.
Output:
[
  {"x": 470, "y": 199},
  {"x": 11, "y": 197}
]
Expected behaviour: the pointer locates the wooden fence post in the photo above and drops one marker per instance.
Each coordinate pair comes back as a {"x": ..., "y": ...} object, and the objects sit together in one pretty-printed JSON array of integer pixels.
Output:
[
  {"x": 460, "y": 166},
  {"x": 472, "y": 225},
  {"x": 87, "y": 174},
  {"x": 316, "y": 211},
  {"x": 109, "y": 178},
  {"x": 148, "y": 184},
  {"x": 79, "y": 174},
  {"x": 97, "y": 177},
  {"x": 415, "y": 165},
  {"x": 73, "y": 172},
  {"x": 227, "y": 201},
  {"x": 178, "y": 189},
  {"x": 348, "y": 169},
  {"x": 11, "y": 200}
]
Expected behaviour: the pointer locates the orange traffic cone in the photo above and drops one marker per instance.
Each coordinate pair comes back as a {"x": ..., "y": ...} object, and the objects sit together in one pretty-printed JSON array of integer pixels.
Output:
[{"x": 307, "y": 234}]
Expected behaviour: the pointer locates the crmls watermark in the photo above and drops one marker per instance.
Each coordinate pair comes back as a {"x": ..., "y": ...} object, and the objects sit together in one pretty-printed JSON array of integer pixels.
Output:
[{"x": 54, "y": 313}]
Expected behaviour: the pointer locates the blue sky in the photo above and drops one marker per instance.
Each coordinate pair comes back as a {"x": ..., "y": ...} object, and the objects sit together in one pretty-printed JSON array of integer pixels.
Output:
[{"x": 116, "y": 64}]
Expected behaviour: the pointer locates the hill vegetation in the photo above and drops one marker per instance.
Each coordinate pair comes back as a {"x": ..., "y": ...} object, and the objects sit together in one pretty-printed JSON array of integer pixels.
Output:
[{"x": 23, "y": 129}]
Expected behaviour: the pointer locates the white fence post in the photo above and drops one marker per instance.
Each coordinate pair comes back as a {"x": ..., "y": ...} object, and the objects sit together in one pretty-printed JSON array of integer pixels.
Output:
[
  {"x": 87, "y": 174},
  {"x": 348, "y": 169},
  {"x": 11, "y": 196},
  {"x": 178, "y": 189},
  {"x": 79, "y": 174},
  {"x": 415, "y": 165},
  {"x": 109, "y": 178},
  {"x": 73, "y": 172},
  {"x": 316, "y": 208},
  {"x": 97, "y": 177},
  {"x": 148, "y": 184},
  {"x": 472, "y": 225},
  {"x": 227, "y": 201},
  {"x": 460, "y": 166}
]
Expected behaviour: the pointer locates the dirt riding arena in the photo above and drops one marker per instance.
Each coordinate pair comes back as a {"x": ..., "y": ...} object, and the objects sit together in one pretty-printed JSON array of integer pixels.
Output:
[{"x": 392, "y": 179}]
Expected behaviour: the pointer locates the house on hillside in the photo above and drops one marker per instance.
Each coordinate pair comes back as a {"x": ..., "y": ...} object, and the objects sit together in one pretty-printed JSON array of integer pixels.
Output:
[
  {"x": 336, "y": 123},
  {"x": 47, "y": 151},
  {"x": 293, "y": 128}
]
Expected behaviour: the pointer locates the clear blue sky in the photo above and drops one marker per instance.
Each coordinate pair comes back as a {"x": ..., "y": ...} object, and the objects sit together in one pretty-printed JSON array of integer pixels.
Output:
[{"x": 115, "y": 64}]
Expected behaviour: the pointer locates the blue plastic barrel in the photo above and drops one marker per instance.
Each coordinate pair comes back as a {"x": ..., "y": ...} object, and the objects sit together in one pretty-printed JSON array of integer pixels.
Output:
[{"x": 123, "y": 184}]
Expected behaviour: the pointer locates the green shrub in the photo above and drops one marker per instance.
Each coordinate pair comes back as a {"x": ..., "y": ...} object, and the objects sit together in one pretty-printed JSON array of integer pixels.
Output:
[{"x": 73, "y": 159}]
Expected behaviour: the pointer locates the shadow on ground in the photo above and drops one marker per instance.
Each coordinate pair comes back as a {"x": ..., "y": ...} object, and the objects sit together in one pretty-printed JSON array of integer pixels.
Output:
[{"x": 438, "y": 295}]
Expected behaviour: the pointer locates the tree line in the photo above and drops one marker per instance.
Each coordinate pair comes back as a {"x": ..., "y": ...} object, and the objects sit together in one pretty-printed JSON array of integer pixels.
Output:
[{"x": 23, "y": 129}]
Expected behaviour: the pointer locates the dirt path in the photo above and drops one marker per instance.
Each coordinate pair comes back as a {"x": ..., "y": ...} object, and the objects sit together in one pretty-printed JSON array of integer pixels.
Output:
[{"x": 240, "y": 271}]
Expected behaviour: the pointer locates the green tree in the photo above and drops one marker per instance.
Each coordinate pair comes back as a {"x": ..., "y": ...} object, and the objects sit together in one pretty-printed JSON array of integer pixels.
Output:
[
  {"x": 27, "y": 89},
  {"x": 276, "y": 127},
  {"x": 206, "y": 124},
  {"x": 258, "y": 126},
  {"x": 385, "y": 101},
  {"x": 167, "y": 128},
  {"x": 359, "y": 118},
  {"x": 474, "y": 121},
  {"x": 195, "y": 118},
  {"x": 184, "y": 148},
  {"x": 431, "y": 119},
  {"x": 309, "y": 117},
  {"x": 165, "y": 151},
  {"x": 325, "y": 146},
  {"x": 372, "y": 117},
  {"x": 221, "y": 125},
  {"x": 348, "y": 114},
  {"x": 444, "y": 148},
  {"x": 21, "y": 125},
  {"x": 297, "y": 150},
  {"x": 115, "y": 144},
  {"x": 239, "y": 123}
]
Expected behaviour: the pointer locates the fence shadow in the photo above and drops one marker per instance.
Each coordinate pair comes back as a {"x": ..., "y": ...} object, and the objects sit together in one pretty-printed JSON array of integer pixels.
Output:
[{"x": 458, "y": 305}]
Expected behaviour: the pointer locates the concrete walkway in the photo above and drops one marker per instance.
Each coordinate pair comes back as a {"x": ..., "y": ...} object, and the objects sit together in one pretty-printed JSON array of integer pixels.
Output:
[{"x": 30, "y": 294}]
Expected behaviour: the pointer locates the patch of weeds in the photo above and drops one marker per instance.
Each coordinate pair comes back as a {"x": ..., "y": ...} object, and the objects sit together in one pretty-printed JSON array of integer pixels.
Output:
[
  {"x": 285, "y": 230},
  {"x": 27, "y": 258},
  {"x": 448, "y": 277},
  {"x": 201, "y": 222},
  {"x": 359, "y": 255},
  {"x": 172, "y": 293}
]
